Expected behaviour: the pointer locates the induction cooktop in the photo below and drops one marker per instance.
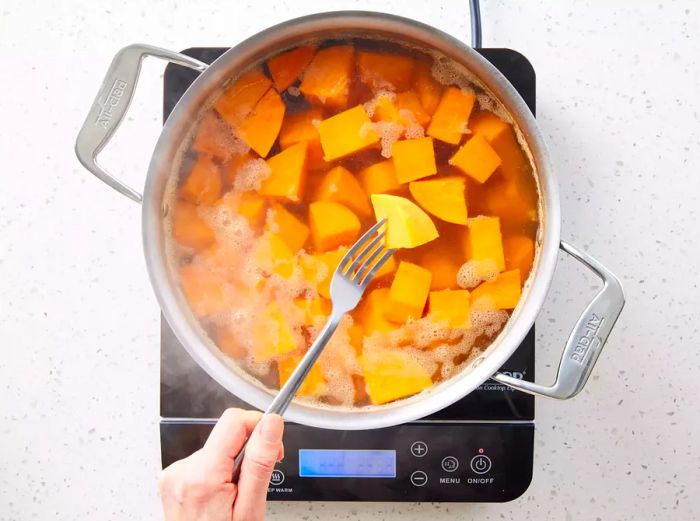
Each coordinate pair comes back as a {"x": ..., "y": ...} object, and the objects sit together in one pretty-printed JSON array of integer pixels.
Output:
[{"x": 479, "y": 449}]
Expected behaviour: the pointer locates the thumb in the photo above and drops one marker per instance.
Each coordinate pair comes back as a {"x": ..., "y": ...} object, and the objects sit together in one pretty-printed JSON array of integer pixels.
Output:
[{"x": 258, "y": 463}]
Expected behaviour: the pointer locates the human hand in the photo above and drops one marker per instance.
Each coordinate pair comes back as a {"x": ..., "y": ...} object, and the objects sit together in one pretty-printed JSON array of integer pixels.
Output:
[{"x": 199, "y": 487}]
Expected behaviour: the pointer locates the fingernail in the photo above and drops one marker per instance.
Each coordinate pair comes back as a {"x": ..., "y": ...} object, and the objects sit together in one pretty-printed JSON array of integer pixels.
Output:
[{"x": 271, "y": 428}]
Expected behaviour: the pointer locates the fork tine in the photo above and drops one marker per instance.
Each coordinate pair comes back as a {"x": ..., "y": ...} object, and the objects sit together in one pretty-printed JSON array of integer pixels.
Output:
[
  {"x": 364, "y": 267},
  {"x": 358, "y": 262},
  {"x": 368, "y": 278},
  {"x": 353, "y": 250}
]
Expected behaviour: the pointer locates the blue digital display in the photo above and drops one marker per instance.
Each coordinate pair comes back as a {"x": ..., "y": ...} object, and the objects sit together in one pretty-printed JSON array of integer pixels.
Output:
[{"x": 332, "y": 463}]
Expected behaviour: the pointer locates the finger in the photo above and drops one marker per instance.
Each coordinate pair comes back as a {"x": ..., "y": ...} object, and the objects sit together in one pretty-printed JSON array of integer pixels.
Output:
[
  {"x": 230, "y": 432},
  {"x": 259, "y": 461}
]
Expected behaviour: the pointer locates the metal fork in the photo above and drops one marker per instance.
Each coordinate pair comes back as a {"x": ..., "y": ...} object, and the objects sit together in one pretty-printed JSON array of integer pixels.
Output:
[{"x": 350, "y": 279}]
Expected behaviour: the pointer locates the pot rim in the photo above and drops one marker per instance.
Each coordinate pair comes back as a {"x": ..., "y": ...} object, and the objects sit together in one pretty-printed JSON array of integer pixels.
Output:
[{"x": 174, "y": 306}]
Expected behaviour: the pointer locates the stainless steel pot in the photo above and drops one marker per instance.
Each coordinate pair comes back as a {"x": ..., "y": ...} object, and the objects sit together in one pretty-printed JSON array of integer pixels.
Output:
[{"x": 590, "y": 332}]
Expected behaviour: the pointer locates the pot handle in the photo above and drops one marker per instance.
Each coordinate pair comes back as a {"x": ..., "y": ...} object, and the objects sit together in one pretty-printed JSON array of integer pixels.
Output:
[
  {"x": 111, "y": 104},
  {"x": 586, "y": 340}
]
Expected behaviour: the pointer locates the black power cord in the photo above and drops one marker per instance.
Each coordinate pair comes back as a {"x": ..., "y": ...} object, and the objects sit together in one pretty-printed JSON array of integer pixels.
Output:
[{"x": 475, "y": 16}]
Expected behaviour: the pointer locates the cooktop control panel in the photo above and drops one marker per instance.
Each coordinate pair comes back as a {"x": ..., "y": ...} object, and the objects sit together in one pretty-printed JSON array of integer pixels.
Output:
[{"x": 457, "y": 462}]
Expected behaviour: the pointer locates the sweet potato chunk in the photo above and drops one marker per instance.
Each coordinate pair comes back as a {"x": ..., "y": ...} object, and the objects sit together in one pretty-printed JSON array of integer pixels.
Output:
[
  {"x": 511, "y": 200},
  {"x": 451, "y": 306},
  {"x": 189, "y": 229},
  {"x": 260, "y": 129},
  {"x": 443, "y": 197},
  {"x": 290, "y": 229},
  {"x": 428, "y": 88},
  {"x": 413, "y": 159},
  {"x": 314, "y": 384},
  {"x": 328, "y": 76},
  {"x": 379, "y": 178},
  {"x": 340, "y": 186},
  {"x": 486, "y": 245},
  {"x": 408, "y": 292},
  {"x": 519, "y": 252},
  {"x": 287, "y": 173},
  {"x": 476, "y": 159},
  {"x": 410, "y": 102},
  {"x": 487, "y": 125},
  {"x": 347, "y": 132},
  {"x": 205, "y": 292},
  {"x": 392, "y": 374},
  {"x": 332, "y": 225},
  {"x": 239, "y": 99},
  {"x": 407, "y": 225},
  {"x": 304, "y": 127},
  {"x": 450, "y": 119},
  {"x": 203, "y": 184},
  {"x": 285, "y": 68},
  {"x": 384, "y": 71},
  {"x": 371, "y": 312},
  {"x": 502, "y": 292},
  {"x": 272, "y": 337}
]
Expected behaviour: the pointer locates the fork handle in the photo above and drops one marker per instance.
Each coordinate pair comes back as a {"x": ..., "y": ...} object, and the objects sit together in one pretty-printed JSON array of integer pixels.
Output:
[{"x": 289, "y": 389}]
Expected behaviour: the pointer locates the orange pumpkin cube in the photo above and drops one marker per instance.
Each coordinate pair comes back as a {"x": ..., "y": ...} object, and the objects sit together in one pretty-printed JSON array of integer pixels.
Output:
[
  {"x": 290, "y": 229},
  {"x": 443, "y": 197},
  {"x": 341, "y": 186},
  {"x": 238, "y": 100},
  {"x": 501, "y": 292},
  {"x": 272, "y": 255},
  {"x": 413, "y": 159},
  {"x": 314, "y": 384},
  {"x": 234, "y": 165},
  {"x": 205, "y": 292},
  {"x": 449, "y": 122},
  {"x": 332, "y": 225},
  {"x": 519, "y": 252},
  {"x": 214, "y": 137},
  {"x": 203, "y": 184},
  {"x": 487, "y": 125},
  {"x": 260, "y": 129},
  {"x": 501, "y": 137},
  {"x": 272, "y": 337},
  {"x": 287, "y": 67},
  {"x": 511, "y": 200},
  {"x": 379, "y": 178},
  {"x": 189, "y": 229},
  {"x": 410, "y": 102},
  {"x": 451, "y": 306},
  {"x": 384, "y": 71},
  {"x": 304, "y": 127},
  {"x": 287, "y": 173},
  {"x": 251, "y": 206},
  {"x": 429, "y": 90},
  {"x": 314, "y": 309},
  {"x": 408, "y": 293},
  {"x": 391, "y": 374},
  {"x": 476, "y": 159},
  {"x": 327, "y": 78},
  {"x": 370, "y": 313},
  {"x": 407, "y": 226},
  {"x": 326, "y": 263},
  {"x": 347, "y": 132},
  {"x": 229, "y": 342},
  {"x": 485, "y": 245},
  {"x": 443, "y": 268}
]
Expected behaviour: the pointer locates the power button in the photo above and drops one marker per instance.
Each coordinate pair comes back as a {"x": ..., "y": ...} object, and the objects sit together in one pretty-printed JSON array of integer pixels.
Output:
[{"x": 480, "y": 464}]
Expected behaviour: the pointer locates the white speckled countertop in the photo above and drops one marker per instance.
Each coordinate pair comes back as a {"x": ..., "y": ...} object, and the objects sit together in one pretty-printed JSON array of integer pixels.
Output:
[{"x": 618, "y": 91}]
